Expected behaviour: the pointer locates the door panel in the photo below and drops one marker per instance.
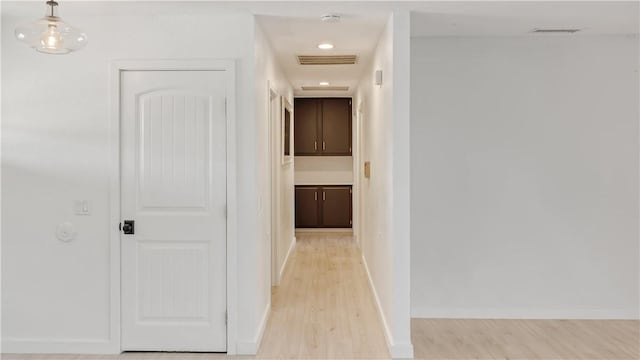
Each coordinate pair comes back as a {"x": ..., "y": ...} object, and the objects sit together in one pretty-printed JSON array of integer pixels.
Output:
[
  {"x": 306, "y": 127},
  {"x": 336, "y": 206},
  {"x": 336, "y": 126},
  {"x": 307, "y": 207},
  {"x": 173, "y": 184}
]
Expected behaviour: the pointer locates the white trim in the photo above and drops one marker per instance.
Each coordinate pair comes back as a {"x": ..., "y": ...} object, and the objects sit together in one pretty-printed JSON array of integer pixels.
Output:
[
  {"x": 577, "y": 313},
  {"x": 117, "y": 66},
  {"x": 387, "y": 333},
  {"x": 286, "y": 258},
  {"x": 251, "y": 348},
  {"x": 57, "y": 346},
  {"x": 274, "y": 167},
  {"x": 401, "y": 351},
  {"x": 396, "y": 350}
]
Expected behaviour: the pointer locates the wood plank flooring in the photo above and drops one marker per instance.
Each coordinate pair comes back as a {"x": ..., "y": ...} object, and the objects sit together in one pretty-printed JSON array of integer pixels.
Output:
[
  {"x": 324, "y": 309},
  {"x": 525, "y": 339}
]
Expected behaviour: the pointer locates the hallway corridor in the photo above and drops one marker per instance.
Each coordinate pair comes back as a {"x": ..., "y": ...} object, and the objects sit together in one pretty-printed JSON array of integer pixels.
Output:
[{"x": 324, "y": 308}]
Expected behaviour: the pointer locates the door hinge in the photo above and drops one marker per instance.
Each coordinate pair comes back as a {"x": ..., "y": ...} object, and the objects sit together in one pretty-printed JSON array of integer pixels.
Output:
[
  {"x": 350, "y": 222},
  {"x": 350, "y": 191}
]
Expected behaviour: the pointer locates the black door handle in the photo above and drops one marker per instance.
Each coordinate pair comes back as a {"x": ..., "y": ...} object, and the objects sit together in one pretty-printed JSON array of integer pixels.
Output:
[{"x": 129, "y": 227}]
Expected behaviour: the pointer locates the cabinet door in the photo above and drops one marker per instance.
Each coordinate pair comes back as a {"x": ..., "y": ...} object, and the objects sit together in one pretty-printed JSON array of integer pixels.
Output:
[
  {"x": 336, "y": 127},
  {"x": 336, "y": 206},
  {"x": 306, "y": 127},
  {"x": 307, "y": 206}
]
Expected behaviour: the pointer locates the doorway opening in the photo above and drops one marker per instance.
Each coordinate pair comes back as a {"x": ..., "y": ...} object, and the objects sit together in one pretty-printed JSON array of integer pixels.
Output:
[{"x": 319, "y": 78}]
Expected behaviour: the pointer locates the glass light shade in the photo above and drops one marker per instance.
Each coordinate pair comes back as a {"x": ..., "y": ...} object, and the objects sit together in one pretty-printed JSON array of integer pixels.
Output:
[{"x": 50, "y": 34}]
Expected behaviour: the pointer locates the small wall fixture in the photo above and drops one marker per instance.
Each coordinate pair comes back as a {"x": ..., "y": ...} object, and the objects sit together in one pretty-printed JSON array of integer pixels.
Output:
[
  {"x": 50, "y": 34},
  {"x": 378, "y": 77}
]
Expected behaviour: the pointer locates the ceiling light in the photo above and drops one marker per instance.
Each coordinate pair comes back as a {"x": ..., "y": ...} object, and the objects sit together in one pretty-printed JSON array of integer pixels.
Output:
[
  {"x": 324, "y": 83},
  {"x": 325, "y": 46},
  {"x": 331, "y": 18},
  {"x": 50, "y": 34}
]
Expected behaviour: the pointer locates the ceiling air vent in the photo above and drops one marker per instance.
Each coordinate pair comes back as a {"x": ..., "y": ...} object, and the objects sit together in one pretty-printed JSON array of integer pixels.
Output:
[
  {"x": 324, "y": 88},
  {"x": 327, "y": 59},
  {"x": 555, "y": 31}
]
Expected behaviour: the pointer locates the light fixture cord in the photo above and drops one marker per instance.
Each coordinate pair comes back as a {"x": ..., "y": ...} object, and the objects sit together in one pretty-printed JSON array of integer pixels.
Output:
[{"x": 51, "y": 4}]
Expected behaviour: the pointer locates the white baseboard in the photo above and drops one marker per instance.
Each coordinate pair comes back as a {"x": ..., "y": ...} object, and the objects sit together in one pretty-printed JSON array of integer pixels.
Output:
[
  {"x": 286, "y": 258},
  {"x": 525, "y": 313},
  {"x": 59, "y": 346},
  {"x": 397, "y": 351},
  {"x": 251, "y": 347}
]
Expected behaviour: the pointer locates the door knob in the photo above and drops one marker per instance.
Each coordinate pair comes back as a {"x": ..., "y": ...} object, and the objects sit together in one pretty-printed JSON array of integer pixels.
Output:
[{"x": 129, "y": 227}]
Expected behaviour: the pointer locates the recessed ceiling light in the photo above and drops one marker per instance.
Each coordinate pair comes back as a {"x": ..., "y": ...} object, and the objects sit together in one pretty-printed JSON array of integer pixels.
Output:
[
  {"x": 325, "y": 46},
  {"x": 324, "y": 83},
  {"x": 330, "y": 18}
]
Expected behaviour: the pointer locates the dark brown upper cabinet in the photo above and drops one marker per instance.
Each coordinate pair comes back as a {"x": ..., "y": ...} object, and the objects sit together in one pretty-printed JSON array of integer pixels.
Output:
[
  {"x": 306, "y": 127},
  {"x": 322, "y": 127}
]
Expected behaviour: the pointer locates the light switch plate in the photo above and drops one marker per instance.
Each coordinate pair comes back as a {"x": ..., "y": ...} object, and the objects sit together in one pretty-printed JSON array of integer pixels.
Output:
[{"x": 82, "y": 207}]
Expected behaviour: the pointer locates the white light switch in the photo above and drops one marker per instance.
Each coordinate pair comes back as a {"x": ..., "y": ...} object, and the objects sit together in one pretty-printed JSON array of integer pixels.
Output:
[{"x": 82, "y": 207}]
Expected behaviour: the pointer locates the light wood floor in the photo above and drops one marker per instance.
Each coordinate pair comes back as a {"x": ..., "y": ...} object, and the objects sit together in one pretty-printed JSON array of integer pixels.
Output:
[
  {"x": 525, "y": 339},
  {"x": 324, "y": 309}
]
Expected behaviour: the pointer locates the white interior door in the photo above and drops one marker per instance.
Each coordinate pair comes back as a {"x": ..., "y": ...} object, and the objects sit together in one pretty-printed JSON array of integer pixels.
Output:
[{"x": 173, "y": 185}]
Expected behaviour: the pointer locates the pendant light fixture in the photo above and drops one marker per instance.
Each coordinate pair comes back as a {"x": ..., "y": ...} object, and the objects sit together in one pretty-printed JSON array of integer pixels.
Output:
[{"x": 50, "y": 34}]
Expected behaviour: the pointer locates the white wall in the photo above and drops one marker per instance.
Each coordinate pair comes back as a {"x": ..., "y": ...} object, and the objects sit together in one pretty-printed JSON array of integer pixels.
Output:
[
  {"x": 269, "y": 74},
  {"x": 524, "y": 177},
  {"x": 324, "y": 170},
  {"x": 55, "y": 150},
  {"x": 384, "y": 214}
]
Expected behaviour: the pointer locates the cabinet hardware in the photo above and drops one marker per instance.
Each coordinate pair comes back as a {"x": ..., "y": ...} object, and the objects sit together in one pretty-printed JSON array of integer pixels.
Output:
[
  {"x": 315, "y": 195},
  {"x": 323, "y": 145},
  {"x": 324, "y": 196},
  {"x": 315, "y": 146}
]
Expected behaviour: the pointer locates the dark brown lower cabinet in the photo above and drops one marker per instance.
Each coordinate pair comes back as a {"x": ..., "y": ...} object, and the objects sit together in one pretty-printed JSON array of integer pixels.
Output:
[
  {"x": 307, "y": 206},
  {"x": 323, "y": 206}
]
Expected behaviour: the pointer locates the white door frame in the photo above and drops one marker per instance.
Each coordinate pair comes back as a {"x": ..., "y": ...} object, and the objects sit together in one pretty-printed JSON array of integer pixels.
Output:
[
  {"x": 114, "y": 189},
  {"x": 274, "y": 163}
]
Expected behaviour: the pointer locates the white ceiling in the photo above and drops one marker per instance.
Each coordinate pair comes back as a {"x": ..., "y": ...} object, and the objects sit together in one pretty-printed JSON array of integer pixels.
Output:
[
  {"x": 514, "y": 18},
  {"x": 294, "y": 27},
  {"x": 291, "y": 36}
]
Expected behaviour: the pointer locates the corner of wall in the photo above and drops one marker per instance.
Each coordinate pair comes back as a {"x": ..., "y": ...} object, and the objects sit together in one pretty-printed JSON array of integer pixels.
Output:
[{"x": 252, "y": 347}]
